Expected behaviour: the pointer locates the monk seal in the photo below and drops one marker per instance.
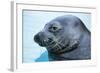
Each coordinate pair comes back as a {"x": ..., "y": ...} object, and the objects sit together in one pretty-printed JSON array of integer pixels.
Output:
[{"x": 66, "y": 38}]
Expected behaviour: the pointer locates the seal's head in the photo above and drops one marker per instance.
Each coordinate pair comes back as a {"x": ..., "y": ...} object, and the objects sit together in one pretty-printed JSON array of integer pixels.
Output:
[{"x": 61, "y": 34}]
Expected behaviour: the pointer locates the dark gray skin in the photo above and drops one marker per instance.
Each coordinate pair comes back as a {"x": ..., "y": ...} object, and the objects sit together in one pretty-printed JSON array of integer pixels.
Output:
[{"x": 66, "y": 38}]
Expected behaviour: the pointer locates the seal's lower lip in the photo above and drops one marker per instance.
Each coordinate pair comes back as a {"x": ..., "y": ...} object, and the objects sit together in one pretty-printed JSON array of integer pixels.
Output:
[
  {"x": 41, "y": 44},
  {"x": 46, "y": 44}
]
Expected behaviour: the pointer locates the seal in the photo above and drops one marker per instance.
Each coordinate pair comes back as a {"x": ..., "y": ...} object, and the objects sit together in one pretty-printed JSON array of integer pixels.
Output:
[{"x": 66, "y": 38}]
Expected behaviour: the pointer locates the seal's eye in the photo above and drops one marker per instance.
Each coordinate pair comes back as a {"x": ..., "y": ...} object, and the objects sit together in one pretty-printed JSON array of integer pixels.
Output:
[{"x": 55, "y": 27}]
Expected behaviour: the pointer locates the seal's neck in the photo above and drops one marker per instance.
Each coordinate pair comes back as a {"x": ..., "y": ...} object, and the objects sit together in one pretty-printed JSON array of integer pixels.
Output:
[{"x": 58, "y": 55}]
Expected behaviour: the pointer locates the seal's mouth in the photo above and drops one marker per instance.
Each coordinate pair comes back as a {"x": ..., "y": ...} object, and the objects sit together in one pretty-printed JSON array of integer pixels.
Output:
[
  {"x": 52, "y": 44},
  {"x": 57, "y": 47}
]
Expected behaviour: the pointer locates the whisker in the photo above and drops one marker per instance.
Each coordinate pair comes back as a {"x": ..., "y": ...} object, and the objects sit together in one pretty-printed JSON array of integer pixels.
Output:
[
  {"x": 60, "y": 42},
  {"x": 56, "y": 43},
  {"x": 50, "y": 44},
  {"x": 58, "y": 46},
  {"x": 46, "y": 44}
]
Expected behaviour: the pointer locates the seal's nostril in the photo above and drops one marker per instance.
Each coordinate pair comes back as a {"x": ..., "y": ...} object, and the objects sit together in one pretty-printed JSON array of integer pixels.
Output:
[{"x": 36, "y": 38}]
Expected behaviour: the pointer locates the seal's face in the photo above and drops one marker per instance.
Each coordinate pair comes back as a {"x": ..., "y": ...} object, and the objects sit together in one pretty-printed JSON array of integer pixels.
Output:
[{"x": 58, "y": 33}]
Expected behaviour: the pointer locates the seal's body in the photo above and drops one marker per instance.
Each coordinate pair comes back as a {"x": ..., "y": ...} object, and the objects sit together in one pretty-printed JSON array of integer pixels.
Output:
[{"x": 66, "y": 38}]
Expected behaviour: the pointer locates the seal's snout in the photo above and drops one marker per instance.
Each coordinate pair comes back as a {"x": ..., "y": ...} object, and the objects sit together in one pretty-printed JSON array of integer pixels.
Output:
[
  {"x": 42, "y": 39},
  {"x": 36, "y": 38}
]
